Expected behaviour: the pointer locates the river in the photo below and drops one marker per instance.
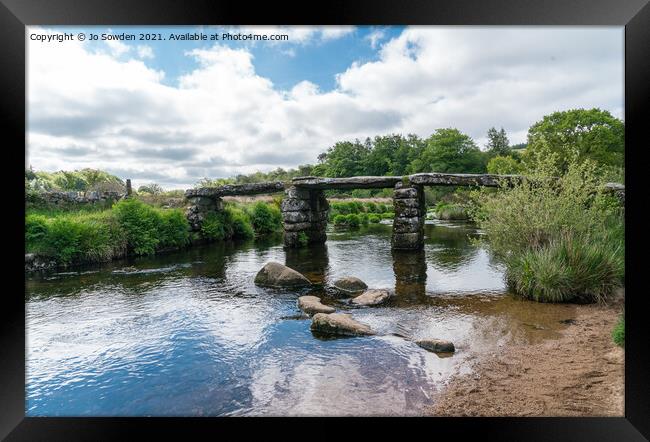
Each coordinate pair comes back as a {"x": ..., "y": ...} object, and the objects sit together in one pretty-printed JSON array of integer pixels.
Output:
[{"x": 188, "y": 333}]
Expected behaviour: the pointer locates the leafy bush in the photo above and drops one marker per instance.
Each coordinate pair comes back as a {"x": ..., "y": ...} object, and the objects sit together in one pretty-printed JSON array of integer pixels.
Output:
[
  {"x": 265, "y": 218},
  {"x": 141, "y": 224},
  {"x": 215, "y": 226},
  {"x": 35, "y": 230},
  {"x": 241, "y": 223},
  {"x": 340, "y": 220},
  {"x": 504, "y": 165},
  {"x": 353, "y": 220},
  {"x": 371, "y": 207},
  {"x": 374, "y": 219},
  {"x": 363, "y": 218},
  {"x": 387, "y": 215},
  {"x": 174, "y": 229},
  {"x": 618, "y": 333}
]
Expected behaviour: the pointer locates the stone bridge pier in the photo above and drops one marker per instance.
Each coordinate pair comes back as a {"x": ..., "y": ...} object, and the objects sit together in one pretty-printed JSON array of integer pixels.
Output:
[
  {"x": 410, "y": 213},
  {"x": 304, "y": 214}
]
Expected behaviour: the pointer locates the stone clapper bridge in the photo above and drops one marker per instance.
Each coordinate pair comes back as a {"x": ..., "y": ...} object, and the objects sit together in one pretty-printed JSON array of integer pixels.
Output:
[{"x": 305, "y": 208}]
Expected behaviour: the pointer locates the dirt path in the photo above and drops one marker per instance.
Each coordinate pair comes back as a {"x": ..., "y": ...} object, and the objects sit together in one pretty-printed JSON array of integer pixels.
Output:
[{"x": 579, "y": 374}]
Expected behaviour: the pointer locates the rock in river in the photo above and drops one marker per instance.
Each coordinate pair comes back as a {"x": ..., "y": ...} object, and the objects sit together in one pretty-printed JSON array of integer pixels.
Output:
[
  {"x": 312, "y": 305},
  {"x": 436, "y": 345},
  {"x": 339, "y": 324},
  {"x": 277, "y": 275},
  {"x": 350, "y": 284},
  {"x": 371, "y": 297}
]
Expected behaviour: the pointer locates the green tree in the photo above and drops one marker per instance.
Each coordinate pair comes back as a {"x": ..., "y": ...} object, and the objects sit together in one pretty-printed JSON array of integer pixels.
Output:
[
  {"x": 504, "y": 165},
  {"x": 595, "y": 133},
  {"x": 346, "y": 159},
  {"x": 498, "y": 143},
  {"x": 449, "y": 150}
]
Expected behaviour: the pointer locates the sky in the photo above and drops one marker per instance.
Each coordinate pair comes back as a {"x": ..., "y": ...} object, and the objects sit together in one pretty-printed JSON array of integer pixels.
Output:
[{"x": 174, "y": 112}]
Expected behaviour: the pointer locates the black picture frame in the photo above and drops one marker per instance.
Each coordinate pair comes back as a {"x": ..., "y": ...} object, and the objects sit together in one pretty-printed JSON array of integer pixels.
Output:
[{"x": 633, "y": 14}]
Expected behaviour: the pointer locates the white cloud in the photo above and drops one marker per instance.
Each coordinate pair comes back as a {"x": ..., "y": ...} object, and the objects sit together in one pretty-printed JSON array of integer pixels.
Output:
[
  {"x": 376, "y": 36},
  {"x": 145, "y": 51},
  {"x": 90, "y": 109}
]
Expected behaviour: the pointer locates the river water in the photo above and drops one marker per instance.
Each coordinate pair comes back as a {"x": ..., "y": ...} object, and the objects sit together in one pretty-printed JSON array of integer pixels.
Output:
[{"x": 189, "y": 334}]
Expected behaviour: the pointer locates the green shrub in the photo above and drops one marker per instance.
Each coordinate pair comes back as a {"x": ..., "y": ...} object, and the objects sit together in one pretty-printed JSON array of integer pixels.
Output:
[
  {"x": 340, "y": 220},
  {"x": 265, "y": 218},
  {"x": 174, "y": 228},
  {"x": 382, "y": 208},
  {"x": 215, "y": 226},
  {"x": 241, "y": 224},
  {"x": 387, "y": 215},
  {"x": 35, "y": 230},
  {"x": 371, "y": 207},
  {"x": 618, "y": 333},
  {"x": 353, "y": 220},
  {"x": 374, "y": 219},
  {"x": 141, "y": 224},
  {"x": 363, "y": 218}
]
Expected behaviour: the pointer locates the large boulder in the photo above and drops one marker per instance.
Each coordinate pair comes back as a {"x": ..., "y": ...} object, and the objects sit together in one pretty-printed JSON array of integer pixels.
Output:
[
  {"x": 372, "y": 297},
  {"x": 350, "y": 284},
  {"x": 312, "y": 305},
  {"x": 339, "y": 324},
  {"x": 275, "y": 274},
  {"x": 437, "y": 345}
]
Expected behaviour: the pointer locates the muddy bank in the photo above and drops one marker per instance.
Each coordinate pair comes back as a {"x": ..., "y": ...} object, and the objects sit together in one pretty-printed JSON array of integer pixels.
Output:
[{"x": 579, "y": 374}]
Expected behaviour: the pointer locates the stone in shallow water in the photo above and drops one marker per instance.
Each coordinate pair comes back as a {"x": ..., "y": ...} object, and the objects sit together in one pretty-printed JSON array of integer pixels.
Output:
[
  {"x": 350, "y": 284},
  {"x": 339, "y": 324},
  {"x": 275, "y": 274},
  {"x": 312, "y": 305},
  {"x": 437, "y": 345},
  {"x": 371, "y": 297}
]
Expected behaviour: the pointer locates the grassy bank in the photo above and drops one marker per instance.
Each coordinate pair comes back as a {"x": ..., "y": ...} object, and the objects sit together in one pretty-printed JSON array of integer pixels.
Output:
[{"x": 132, "y": 227}]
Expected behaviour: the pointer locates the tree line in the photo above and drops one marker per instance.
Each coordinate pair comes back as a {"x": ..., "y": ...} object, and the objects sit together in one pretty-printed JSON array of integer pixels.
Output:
[{"x": 594, "y": 133}]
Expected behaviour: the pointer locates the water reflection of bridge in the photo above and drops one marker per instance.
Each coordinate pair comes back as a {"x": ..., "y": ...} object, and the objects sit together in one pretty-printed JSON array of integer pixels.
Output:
[{"x": 305, "y": 208}]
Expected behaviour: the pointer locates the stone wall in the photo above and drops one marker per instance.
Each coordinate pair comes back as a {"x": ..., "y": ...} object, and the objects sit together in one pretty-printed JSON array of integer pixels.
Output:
[
  {"x": 304, "y": 214},
  {"x": 410, "y": 212},
  {"x": 58, "y": 198}
]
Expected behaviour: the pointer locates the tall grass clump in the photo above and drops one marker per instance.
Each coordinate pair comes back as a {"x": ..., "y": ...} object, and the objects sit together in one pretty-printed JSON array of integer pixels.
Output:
[
  {"x": 559, "y": 234},
  {"x": 88, "y": 237}
]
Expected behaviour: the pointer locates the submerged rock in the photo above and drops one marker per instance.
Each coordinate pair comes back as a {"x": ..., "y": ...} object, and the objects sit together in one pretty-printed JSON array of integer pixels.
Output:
[
  {"x": 372, "y": 297},
  {"x": 312, "y": 305},
  {"x": 350, "y": 284},
  {"x": 275, "y": 274},
  {"x": 339, "y": 324},
  {"x": 437, "y": 345}
]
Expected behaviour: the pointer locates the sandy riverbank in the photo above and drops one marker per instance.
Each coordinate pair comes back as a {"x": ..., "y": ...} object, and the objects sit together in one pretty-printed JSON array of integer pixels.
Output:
[{"x": 579, "y": 374}]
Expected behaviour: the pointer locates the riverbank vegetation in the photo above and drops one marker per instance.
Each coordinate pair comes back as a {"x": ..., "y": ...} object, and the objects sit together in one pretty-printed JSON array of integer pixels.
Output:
[
  {"x": 560, "y": 235},
  {"x": 132, "y": 227}
]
